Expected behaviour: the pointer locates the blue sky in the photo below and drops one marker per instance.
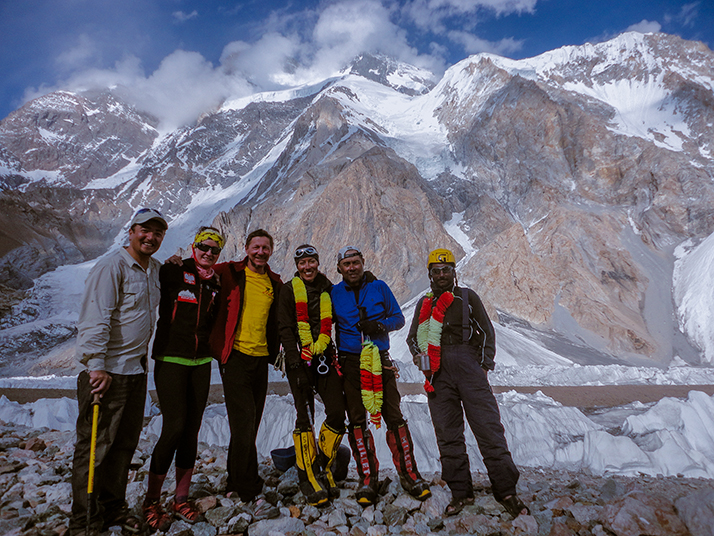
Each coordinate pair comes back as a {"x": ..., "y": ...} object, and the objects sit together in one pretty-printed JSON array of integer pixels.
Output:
[{"x": 177, "y": 58}]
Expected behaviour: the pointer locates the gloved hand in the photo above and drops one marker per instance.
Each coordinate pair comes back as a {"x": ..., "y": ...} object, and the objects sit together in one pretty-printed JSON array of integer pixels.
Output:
[
  {"x": 371, "y": 327},
  {"x": 298, "y": 374}
]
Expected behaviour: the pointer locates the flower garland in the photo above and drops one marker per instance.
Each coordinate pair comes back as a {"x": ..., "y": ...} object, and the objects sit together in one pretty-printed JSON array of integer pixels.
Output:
[
  {"x": 431, "y": 322},
  {"x": 370, "y": 364},
  {"x": 309, "y": 346}
]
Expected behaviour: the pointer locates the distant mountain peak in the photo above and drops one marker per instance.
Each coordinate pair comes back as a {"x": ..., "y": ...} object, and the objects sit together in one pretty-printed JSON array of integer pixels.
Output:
[{"x": 393, "y": 73}]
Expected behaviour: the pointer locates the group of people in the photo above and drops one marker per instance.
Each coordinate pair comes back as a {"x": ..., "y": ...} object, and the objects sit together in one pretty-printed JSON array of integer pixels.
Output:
[{"x": 241, "y": 314}]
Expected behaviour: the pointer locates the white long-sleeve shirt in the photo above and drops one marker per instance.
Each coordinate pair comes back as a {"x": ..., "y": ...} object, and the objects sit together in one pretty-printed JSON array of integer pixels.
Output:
[{"x": 118, "y": 314}]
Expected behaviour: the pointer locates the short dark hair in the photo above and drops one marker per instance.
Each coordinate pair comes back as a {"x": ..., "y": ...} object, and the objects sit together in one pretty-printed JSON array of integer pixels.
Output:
[{"x": 259, "y": 232}]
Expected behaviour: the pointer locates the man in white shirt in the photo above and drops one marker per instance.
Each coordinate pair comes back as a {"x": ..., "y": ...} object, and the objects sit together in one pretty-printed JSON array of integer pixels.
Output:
[{"x": 116, "y": 321}]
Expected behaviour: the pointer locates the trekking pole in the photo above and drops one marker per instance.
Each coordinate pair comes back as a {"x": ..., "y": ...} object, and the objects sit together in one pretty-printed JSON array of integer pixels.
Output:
[{"x": 96, "y": 403}]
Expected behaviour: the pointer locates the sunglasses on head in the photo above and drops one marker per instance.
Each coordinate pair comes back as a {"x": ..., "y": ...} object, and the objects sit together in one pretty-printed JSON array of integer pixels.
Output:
[
  {"x": 142, "y": 210},
  {"x": 308, "y": 251},
  {"x": 206, "y": 248},
  {"x": 446, "y": 270}
]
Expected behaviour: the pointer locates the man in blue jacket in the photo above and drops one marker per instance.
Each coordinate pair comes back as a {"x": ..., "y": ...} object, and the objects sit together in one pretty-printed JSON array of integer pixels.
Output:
[{"x": 365, "y": 312}]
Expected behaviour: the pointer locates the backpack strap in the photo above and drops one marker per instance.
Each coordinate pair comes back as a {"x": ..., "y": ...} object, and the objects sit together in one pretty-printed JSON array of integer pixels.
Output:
[{"x": 465, "y": 324}]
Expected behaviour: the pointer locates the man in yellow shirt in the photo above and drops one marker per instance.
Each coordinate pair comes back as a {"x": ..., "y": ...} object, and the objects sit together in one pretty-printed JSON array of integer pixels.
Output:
[{"x": 245, "y": 340}]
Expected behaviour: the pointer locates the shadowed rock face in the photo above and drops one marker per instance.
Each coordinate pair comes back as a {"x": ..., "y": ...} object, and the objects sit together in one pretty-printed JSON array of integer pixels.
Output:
[{"x": 570, "y": 219}]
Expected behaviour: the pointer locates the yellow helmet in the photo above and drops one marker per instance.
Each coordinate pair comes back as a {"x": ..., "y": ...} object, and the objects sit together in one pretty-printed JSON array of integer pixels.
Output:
[{"x": 441, "y": 256}]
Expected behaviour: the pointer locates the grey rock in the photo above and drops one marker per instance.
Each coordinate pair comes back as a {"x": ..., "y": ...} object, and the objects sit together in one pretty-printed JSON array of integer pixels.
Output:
[
  {"x": 435, "y": 524},
  {"x": 479, "y": 524},
  {"x": 697, "y": 512},
  {"x": 368, "y": 514},
  {"x": 289, "y": 482},
  {"x": 484, "y": 505},
  {"x": 203, "y": 529},
  {"x": 435, "y": 505},
  {"x": 179, "y": 528},
  {"x": 273, "y": 497},
  {"x": 9, "y": 443},
  {"x": 598, "y": 530},
  {"x": 238, "y": 524},
  {"x": 378, "y": 517},
  {"x": 220, "y": 516},
  {"x": 310, "y": 513},
  {"x": 349, "y": 506},
  {"x": 266, "y": 512},
  {"x": 359, "y": 528},
  {"x": 336, "y": 518},
  {"x": 284, "y": 525},
  {"x": 394, "y": 515},
  {"x": 377, "y": 530},
  {"x": 641, "y": 513},
  {"x": 408, "y": 503},
  {"x": 525, "y": 524},
  {"x": 611, "y": 489},
  {"x": 584, "y": 514}
]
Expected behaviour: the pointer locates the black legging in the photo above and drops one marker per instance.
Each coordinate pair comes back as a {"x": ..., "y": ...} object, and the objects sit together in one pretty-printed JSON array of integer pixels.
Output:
[{"x": 183, "y": 393}]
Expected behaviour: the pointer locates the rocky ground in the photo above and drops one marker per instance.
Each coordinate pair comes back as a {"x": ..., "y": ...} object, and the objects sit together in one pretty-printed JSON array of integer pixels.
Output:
[{"x": 35, "y": 499}]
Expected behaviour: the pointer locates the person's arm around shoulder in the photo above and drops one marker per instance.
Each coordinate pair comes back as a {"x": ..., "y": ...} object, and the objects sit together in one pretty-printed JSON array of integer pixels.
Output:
[
  {"x": 170, "y": 276},
  {"x": 100, "y": 299}
]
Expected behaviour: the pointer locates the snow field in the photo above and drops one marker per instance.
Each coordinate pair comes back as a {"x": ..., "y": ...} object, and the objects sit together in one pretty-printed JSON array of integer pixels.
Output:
[{"x": 671, "y": 437}]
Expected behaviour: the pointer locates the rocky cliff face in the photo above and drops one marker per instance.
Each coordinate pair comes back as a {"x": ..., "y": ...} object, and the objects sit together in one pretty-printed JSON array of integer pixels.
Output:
[{"x": 563, "y": 182}]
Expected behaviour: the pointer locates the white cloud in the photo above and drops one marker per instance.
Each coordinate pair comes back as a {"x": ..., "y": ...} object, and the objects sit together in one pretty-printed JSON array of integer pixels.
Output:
[
  {"x": 78, "y": 56},
  {"x": 340, "y": 32},
  {"x": 301, "y": 48},
  {"x": 473, "y": 44},
  {"x": 431, "y": 14},
  {"x": 263, "y": 62},
  {"x": 184, "y": 86},
  {"x": 689, "y": 13},
  {"x": 645, "y": 26},
  {"x": 180, "y": 16}
]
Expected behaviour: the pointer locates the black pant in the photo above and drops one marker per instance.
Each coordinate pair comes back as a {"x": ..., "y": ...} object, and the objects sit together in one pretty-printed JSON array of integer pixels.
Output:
[
  {"x": 328, "y": 386},
  {"x": 121, "y": 419},
  {"x": 245, "y": 386},
  {"x": 183, "y": 393},
  {"x": 391, "y": 410},
  {"x": 461, "y": 385}
]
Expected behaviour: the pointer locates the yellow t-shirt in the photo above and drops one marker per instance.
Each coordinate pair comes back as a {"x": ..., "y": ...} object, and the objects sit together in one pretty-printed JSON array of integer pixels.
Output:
[{"x": 251, "y": 336}]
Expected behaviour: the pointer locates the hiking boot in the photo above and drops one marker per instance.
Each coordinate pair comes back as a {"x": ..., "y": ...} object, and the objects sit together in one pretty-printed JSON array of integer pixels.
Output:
[
  {"x": 185, "y": 510},
  {"x": 155, "y": 516},
  {"x": 366, "y": 496}
]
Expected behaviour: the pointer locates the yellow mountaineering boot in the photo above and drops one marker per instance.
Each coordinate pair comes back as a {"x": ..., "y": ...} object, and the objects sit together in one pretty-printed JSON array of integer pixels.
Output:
[
  {"x": 308, "y": 468},
  {"x": 328, "y": 446}
]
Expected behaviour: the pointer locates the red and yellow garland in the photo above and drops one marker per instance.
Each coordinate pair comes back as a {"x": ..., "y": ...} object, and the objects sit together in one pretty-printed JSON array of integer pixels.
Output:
[
  {"x": 431, "y": 322},
  {"x": 310, "y": 347},
  {"x": 370, "y": 364}
]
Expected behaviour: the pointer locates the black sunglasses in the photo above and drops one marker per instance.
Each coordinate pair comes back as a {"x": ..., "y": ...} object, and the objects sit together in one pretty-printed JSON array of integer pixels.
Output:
[
  {"x": 446, "y": 270},
  {"x": 309, "y": 251},
  {"x": 206, "y": 248}
]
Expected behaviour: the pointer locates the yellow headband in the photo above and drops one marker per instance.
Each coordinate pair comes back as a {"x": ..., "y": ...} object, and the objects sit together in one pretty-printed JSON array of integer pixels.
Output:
[{"x": 209, "y": 234}]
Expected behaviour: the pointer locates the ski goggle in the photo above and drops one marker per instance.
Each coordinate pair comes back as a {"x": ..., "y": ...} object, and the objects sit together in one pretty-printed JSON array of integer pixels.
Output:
[
  {"x": 438, "y": 270},
  {"x": 206, "y": 248},
  {"x": 307, "y": 251}
]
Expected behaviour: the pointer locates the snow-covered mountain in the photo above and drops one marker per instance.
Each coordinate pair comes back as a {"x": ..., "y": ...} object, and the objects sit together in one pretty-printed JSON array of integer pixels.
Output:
[{"x": 564, "y": 183}]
